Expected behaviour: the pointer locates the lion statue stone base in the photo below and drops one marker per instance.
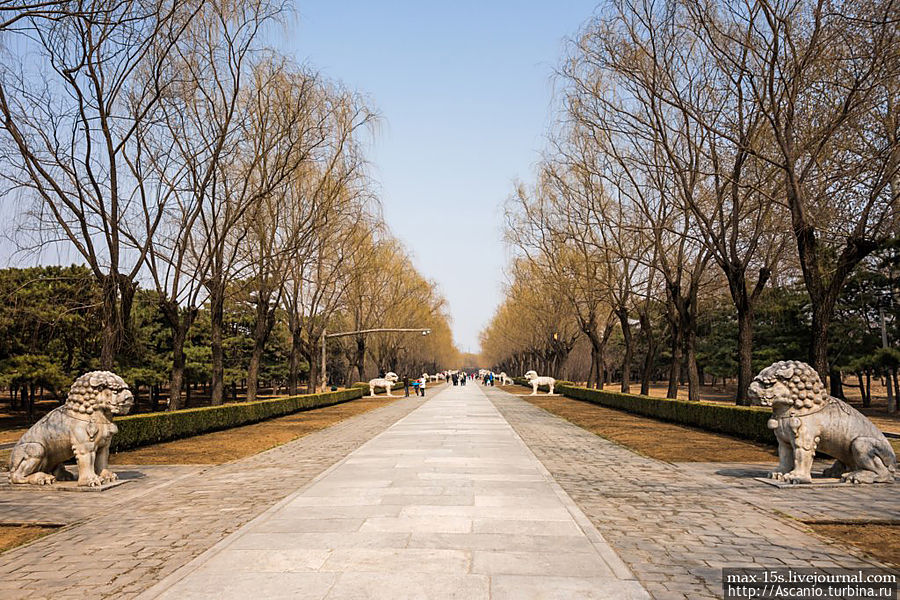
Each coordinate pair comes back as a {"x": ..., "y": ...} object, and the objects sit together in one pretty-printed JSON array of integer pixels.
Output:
[
  {"x": 536, "y": 382},
  {"x": 387, "y": 382},
  {"x": 806, "y": 419},
  {"x": 82, "y": 427}
]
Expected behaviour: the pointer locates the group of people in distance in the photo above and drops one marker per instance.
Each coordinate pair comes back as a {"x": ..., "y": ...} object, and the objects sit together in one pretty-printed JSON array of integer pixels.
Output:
[
  {"x": 418, "y": 385},
  {"x": 457, "y": 377}
]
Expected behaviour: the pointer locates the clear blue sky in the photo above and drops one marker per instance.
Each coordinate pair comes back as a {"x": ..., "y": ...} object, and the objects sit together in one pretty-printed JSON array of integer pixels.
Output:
[{"x": 465, "y": 91}]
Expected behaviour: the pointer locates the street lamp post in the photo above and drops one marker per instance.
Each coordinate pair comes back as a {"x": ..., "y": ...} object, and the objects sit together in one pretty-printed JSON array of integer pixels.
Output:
[{"x": 325, "y": 336}]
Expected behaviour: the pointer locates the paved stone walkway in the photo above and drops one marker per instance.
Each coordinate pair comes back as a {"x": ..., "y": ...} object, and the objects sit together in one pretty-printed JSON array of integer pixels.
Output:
[
  {"x": 447, "y": 503},
  {"x": 122, "y": 541},
  {"x": 676, "y": 526}
]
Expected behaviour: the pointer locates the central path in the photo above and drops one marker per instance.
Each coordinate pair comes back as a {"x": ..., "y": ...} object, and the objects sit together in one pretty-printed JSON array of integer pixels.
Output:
[{"x": 447, "y": 503}]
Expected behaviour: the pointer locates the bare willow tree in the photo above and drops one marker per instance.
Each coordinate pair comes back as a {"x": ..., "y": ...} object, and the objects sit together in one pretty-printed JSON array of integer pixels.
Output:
[
  {"x": 19, "y": 14},
  {"x": 688, "y": 88},
  {"x": 330, "y": 219},
  {"x": 534, "y": 328},
  {"x": 70, "y": 117},
  {"x": 825, "y": 74},
  {"x": 368, "y": 292},
  {"x": 550, "y": 226},
  {"x": 181, "y": 151},
  {"x": 614, "y": 97},
  {"x": 290, "y": 121}
]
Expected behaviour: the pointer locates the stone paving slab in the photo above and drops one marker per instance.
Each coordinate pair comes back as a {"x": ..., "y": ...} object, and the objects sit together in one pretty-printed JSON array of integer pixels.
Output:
[
  {"x": 447, "y": 503},
  {"x": 878, "y": 502},
  {"x": 677, "y": 526},
  {"x": 121, "y": 542},
  {"x": 42, "y": 504}
]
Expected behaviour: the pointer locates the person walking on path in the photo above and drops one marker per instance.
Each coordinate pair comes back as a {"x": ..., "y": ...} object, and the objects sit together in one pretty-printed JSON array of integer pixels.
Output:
[
  {"x": 406, "y": 387},
  {"x": 422, "y": 386}
]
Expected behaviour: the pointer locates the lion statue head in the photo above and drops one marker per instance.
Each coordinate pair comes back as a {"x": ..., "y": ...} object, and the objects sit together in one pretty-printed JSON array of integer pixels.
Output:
[
  {"x": 789, "y": 385},
  {"x": 391, "y": 376},
  {"x": 531, "y": 375},
  {"x": 100, "y": 390}
]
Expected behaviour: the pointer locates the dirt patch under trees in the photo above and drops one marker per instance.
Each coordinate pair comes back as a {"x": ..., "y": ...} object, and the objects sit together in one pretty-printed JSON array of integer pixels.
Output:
[{"x": 656, "y": 439}]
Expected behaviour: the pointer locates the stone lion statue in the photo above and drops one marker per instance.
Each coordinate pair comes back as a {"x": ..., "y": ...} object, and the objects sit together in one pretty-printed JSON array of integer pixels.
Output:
[
  {"x": 805, "y": 419},
  {"x": 505, "y": 379},
  {"x": 387, "y": 382},
  {"x": 536, "y": 382},
  {"x": 82, "y": 427}
]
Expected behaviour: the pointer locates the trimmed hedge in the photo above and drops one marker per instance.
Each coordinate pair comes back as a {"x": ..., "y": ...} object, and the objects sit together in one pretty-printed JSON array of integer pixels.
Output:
[
  {"x": 152, "y": 428},
  {"x": 745, "y": 422}
]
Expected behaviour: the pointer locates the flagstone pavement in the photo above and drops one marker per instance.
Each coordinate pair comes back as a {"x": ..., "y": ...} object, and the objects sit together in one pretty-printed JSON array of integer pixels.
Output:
[{"x": 473, "y": 493}]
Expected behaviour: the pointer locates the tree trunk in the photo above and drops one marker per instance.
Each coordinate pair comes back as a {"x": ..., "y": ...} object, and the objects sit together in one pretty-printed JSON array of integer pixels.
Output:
[
  {"x": 109, "y": 315},
  {"x": 360, "y": 358},
  {"x": 217, "y": 325},
  {"x": 177, "y": 377},
  {"x": 650, "y": 357},
  {"x": 629, "y": 351},
  {"x": 253, "y": 370},
  {"x": 265, "y": 320},
  {"x": 893, "y": 405},
  {"x": 310, "y": 354},
  {"x": 180, "y": 321},
  {"x": 867, "y": 399},
  {"x": 862, "y": 388},
  {"x": 693, "y": 374},
  {"x": 745, "y": 355},
  {"x": 592, "y": 371},
  {"x": 891, "y": 398},
  {"x": 677, "y": 358},
  {"x": 836, "y": 384},
  {"x": 294, "y": 361}
]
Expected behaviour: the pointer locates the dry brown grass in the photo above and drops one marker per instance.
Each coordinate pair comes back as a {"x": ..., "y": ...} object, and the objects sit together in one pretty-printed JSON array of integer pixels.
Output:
[
  {"x": 16, "y": 535},
  {"x": 239, "y": 442},
  {"x": 656, "y": 439},
  {"x": 879, "y": 540}
]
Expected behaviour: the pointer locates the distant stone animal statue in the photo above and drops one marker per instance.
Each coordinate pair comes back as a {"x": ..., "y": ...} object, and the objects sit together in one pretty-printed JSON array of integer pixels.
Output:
[
  {"x": 536, "y": 382},
  {"x": 806, "y": 419},
  {"x": 505, "y": 379},
  {"x": 387, "y": 382},
  {"x": 82, "y": 427}
]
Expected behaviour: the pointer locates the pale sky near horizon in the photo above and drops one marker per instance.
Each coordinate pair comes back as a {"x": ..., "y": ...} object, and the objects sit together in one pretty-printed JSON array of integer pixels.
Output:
[{"x": 465, "y": 91}]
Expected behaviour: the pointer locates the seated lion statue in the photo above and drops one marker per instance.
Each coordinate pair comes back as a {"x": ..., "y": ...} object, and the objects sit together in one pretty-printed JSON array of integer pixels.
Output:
[
  {"x": 806, "y": 419},
  {"x": 505, "y": 379},
  {"x": 387, "y": 382},
  {"x": 536, "y": 382},
  {"x": 82, "y": 427}
]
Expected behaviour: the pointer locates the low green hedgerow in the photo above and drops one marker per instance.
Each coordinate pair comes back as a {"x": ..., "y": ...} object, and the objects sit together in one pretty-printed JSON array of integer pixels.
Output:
[
  {"x": 152, "y": 428},
  {"x": 745, "y": 422}
]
